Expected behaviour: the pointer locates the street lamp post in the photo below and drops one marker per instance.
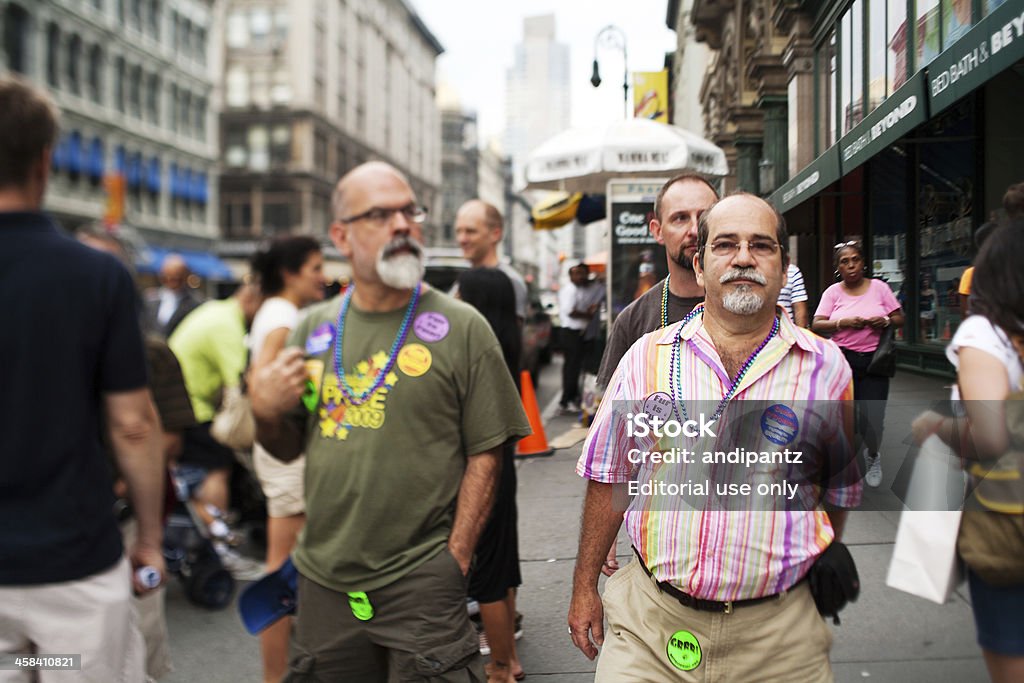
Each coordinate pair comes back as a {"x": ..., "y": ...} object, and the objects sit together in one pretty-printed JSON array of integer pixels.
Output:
[{"x": 614, "y": 37}]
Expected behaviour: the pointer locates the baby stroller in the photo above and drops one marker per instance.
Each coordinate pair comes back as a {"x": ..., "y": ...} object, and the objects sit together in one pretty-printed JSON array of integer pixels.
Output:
[{"x": 189, "y": 553}]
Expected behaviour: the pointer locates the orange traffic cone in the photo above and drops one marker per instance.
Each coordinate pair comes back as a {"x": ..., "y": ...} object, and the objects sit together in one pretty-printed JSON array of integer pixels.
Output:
[
  {"x": 947, "y": 333},
  {"x": 537, "y": 442}
]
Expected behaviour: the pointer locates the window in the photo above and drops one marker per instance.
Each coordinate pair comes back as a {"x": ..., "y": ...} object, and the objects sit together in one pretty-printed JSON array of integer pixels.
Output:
[
  {"x": 135, "y": 91},
  {"x": 856, "y": 64},
  {"x": 73, "y": 64},
  {"x": 120, "y": 75},
  {"x": 95, "y": 76},
  {"x": 956, "y": 15},
  {"x": 877, "y": 91},
  {"x": 896, "y": 40},
  {"x": 136, "y": 13},
  {"x": 237, "y": 87},
  {"x": 53, "y": 55},
  {"x": 16, "y": 29},
  {"x": 119, "y": 10},
  {"x": 237, "y": 216},
  {"x": 280, "y": 145},
  {"x": 281, "y": 90},
  {"x": 259, "y": 159},
  {"x": 927, "y": 32},
  {"x": 277, "y": 217},
  {"x": 154, "y": 18},
  {"x": 237, "y": 29},
  {"x": 200, "y": 41},
  {"x": 172, "y": 109},
  {"x": 184, "y": 111},
  {"x": 199, "y": 113},
  {"x": 259, "y": 26},
  {"x": 235, "y": 151},
  {"x": 153, "y": 99},
  {"x": 280, "y": 27}
]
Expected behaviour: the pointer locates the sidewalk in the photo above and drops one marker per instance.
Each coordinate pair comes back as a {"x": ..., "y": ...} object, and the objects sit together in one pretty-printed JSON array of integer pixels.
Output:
[{"x": 886, "y": 636}]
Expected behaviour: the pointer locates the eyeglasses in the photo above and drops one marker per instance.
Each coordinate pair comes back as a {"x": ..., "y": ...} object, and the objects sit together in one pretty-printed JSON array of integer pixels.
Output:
[
  {"x": 760, "y": 248},
  {"x": 843, "y": 245},
  {"x": 414, "y": 213}
]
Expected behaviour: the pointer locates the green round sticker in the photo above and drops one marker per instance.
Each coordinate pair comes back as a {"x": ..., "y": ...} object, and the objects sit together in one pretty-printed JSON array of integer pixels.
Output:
[
  {"x": 360, "y": 605},
  {"x": 683, "y": 651}
]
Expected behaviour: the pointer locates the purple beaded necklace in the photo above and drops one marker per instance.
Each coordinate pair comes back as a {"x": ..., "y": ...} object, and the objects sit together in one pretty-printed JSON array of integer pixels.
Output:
[
  {"x": 676, "y": 370},
  {"x": 378, "y": 382}
]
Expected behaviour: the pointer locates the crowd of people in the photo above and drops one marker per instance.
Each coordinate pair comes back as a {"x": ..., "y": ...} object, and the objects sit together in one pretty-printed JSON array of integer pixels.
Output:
[{"x": 397, "y": 517}]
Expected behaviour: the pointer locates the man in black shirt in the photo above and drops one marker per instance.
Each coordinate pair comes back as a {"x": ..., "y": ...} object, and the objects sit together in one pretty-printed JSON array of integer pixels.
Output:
[
  {"x": 677, "y": 208},
  {"x": 74, "y": 370}
]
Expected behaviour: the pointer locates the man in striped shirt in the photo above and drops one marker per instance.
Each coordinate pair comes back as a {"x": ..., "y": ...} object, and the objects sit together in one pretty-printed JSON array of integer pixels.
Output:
[{"x": 716, "y": 594}]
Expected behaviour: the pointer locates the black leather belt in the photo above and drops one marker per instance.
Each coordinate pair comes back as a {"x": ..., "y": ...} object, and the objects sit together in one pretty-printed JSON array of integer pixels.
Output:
[{"x": 700, "y": 604}]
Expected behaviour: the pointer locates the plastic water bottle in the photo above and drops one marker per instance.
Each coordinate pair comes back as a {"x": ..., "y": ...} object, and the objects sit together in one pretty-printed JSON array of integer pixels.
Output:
[{"x": 148, "y": 576}]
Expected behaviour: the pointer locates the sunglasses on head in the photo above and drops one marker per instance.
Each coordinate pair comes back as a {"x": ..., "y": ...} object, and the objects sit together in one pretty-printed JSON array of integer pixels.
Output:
[{"x": 843, "y": 245}]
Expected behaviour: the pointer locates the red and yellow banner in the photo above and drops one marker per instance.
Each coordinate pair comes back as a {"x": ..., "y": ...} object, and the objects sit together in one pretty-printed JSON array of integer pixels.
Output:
[{"x": 650, "y": 95}]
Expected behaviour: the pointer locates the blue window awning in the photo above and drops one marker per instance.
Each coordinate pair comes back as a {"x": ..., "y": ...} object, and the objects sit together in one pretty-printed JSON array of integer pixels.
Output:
[
  {"x": 153, "y": 176},
  {"x": 96, "y": 165},
  {"x": 73, "y": 152},
  {"x": 202, "y": 263}
]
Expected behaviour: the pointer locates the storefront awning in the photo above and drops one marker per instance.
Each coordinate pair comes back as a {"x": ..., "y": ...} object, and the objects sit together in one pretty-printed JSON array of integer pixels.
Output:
[
  {"x": 904, "y": 111},
  {"x": 201, "y": 263},
  {"x": 994, "y": 44},
  {"x": 815, "y": 177}
]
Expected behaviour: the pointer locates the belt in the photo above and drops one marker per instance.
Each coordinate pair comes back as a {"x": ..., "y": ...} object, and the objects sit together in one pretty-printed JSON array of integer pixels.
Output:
[
  {"x": 858, "y": 354},
  {"x": 702, "y": 605}
]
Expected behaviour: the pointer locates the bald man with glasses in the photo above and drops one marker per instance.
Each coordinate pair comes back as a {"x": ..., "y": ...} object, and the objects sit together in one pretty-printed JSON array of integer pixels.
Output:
[{"x": 400, "y": 398}]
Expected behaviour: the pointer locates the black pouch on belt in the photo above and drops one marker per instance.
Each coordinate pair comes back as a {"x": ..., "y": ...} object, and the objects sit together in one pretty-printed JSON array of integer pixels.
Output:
[{"x": 834, "y": 581}]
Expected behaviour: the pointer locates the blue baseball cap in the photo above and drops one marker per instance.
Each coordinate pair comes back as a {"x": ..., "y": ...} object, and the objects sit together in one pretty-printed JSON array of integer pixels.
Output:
[{"x": 269, "y": 599}]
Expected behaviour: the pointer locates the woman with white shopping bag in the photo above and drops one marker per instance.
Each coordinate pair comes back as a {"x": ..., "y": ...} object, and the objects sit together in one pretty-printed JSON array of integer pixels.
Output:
[{"x": 986, "y": 351}]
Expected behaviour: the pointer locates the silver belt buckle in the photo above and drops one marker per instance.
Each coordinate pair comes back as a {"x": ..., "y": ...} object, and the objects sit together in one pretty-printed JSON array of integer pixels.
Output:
[{"x": 728, "y": 606}]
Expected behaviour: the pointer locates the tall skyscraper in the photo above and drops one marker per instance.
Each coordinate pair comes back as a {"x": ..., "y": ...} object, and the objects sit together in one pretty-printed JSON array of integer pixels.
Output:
[
  {"x": 537, "y": 102},
  {"x": 537, "y": 107}
]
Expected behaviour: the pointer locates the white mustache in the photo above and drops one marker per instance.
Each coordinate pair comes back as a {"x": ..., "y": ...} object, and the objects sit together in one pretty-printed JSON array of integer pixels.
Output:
[{"x": 742, "y": 274}]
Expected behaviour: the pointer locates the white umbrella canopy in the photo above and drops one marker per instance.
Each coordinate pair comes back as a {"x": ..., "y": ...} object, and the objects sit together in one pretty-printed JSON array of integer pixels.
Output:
[{"x": 585, "y": 159}]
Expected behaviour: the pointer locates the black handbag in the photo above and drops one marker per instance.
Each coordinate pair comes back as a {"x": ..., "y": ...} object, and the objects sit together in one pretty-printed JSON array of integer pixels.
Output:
[
  {"x": 834, "y": 580},
  {"x": 883, "y": 361}
]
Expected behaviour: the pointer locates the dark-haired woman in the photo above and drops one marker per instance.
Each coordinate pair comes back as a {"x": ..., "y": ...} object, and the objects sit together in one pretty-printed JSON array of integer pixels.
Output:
[
  {"x": 987, "y": 351},
  {"x": 854, "y": 311},
  {"x": 496, "y": 575},
  {"x": 290, "y": 273}
]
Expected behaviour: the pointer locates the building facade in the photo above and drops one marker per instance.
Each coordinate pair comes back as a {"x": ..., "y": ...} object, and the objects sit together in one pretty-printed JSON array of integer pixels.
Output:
[
  {"x": 131, "y": 79},
  {"x": 895, "y": 122},
  {"x": 460, "y": 160},
  {"x": 310, "y": 89}
]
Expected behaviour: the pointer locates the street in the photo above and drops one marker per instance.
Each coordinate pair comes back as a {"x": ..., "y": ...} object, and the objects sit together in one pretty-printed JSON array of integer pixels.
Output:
[{"x": 887, "y": 636}]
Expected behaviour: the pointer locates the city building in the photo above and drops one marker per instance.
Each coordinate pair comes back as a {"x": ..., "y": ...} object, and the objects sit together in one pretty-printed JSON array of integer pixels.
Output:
[
  {"x": 892, "y": 121},
  {"x": 690, "y": 58},
  {"x": 460, "y": 161},
  {"x": 310, "y": 89},
  {"x": 137, "y": 144},
  {"x": 537, "y": 107}
]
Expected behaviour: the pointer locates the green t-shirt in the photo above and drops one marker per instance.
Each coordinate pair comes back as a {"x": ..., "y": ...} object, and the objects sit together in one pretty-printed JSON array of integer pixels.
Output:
[
  {"x": 210, "y": 346},
  {"x": 382, "y": 477}
]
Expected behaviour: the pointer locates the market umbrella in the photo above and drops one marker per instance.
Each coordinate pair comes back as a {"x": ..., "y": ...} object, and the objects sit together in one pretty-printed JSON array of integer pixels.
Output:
[{"x": 585, "y": 159}]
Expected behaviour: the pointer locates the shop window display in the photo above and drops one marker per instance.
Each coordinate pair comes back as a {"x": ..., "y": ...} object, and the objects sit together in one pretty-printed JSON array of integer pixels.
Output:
[{"x": 946, "y": 212}]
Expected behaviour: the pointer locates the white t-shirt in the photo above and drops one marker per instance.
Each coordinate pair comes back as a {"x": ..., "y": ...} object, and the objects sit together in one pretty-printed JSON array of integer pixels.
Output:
[
  {"x": 977, "y": 332},
  {"x": 275, "y": 313}
]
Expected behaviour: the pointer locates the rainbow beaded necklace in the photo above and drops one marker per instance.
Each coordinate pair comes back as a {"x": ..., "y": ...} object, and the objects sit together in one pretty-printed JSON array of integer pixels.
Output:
[
  {"x": 378, "y": 382},
  {"x": 664, "y": 302},
  {"x": 676, "y": 370}
]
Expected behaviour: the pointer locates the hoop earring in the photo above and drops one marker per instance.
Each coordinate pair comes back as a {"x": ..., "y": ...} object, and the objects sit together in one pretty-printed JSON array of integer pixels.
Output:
[{"x": 838, "y": 276}]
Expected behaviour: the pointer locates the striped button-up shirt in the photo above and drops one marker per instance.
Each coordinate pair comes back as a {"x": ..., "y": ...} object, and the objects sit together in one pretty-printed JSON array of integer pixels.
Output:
[{"x": 727, "y": 547}]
